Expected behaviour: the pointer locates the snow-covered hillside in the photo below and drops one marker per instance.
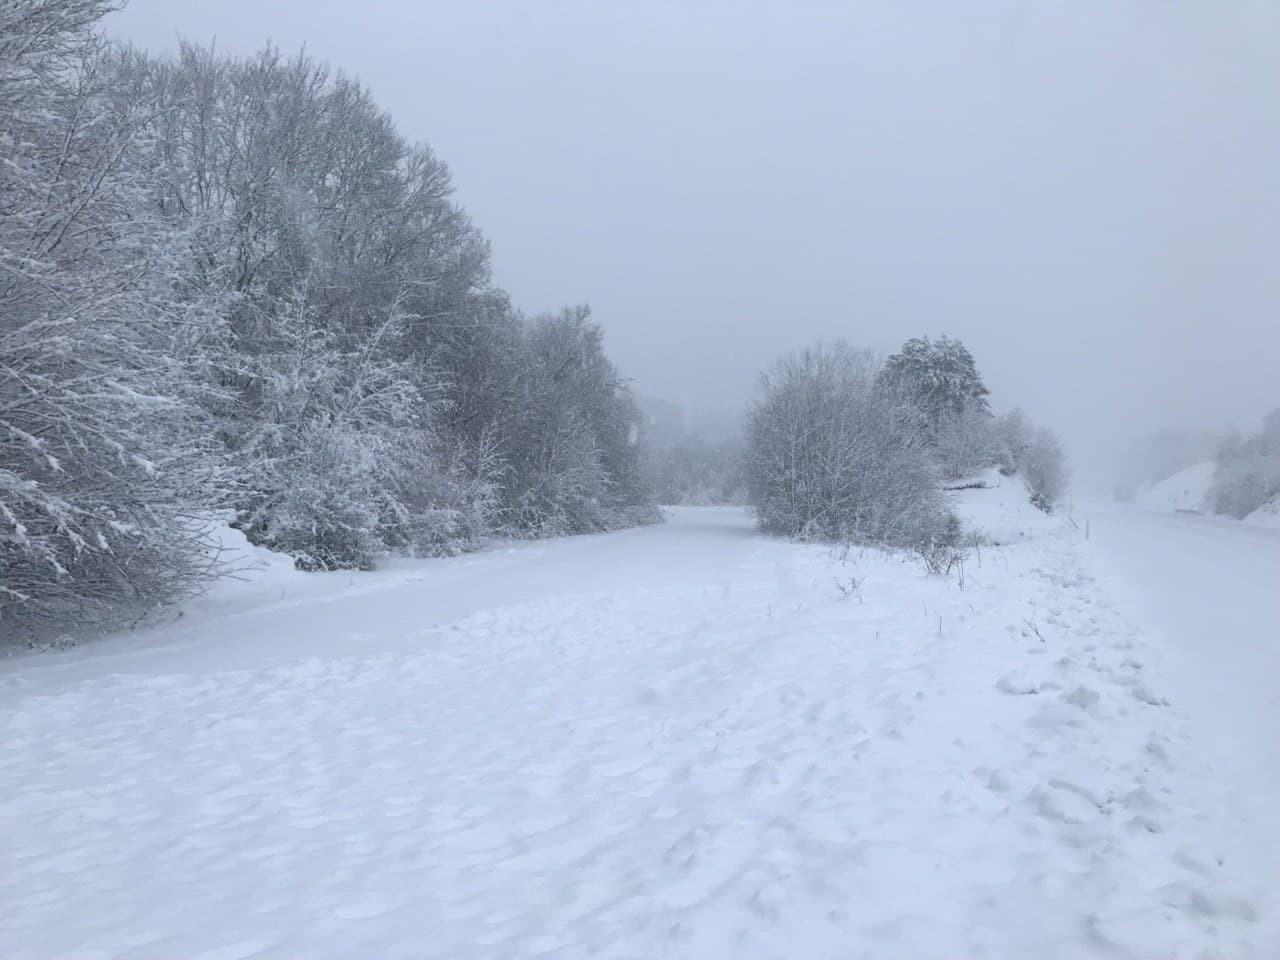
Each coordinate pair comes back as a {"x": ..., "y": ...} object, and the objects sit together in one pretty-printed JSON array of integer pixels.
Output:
[
  {"x": 1185, "y": 490},
  {"x": 686, "y": 740},
  {"x": 1188, "y": 490},
  {"x": 998, "y": 509},
  {"x": 1267, "y": 515}
]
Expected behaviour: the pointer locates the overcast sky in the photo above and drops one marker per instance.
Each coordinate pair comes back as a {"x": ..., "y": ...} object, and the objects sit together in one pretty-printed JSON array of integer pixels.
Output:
[{"x": 1087, "y": 192}]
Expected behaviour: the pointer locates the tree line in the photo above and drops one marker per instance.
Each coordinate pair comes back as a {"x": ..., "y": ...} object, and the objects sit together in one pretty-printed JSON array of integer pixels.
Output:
[{"x": 230, "y": 284}]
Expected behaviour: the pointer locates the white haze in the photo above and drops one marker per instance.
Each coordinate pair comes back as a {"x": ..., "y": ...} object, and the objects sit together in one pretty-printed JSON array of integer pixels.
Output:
[{"x": 1087, "y": 193}]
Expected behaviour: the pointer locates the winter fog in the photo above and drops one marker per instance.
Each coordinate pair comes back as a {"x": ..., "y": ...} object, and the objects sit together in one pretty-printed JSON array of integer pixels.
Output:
[
  {"x": 1086, "y": 194},
  {"x": 692, "y": 480}
]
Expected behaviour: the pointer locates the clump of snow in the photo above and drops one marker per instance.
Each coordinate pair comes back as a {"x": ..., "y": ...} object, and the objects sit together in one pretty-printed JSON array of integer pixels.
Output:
[
  {"x": 251, "y": 578},
  {"x": 999, "y": 510},
  {"x": 1186, "y": 490},
  {"x": 252, "y": 561},
  {"x": 252, "y": 570}
]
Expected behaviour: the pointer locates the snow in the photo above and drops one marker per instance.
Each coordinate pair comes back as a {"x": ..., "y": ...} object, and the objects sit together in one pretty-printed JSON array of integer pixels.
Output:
[
  {"x": 1185, "y": 490},
  {"x": 1188, "y": 490},
  {"x": 684, "y": 740},
  {"x": 1267, "y": 515},
  {"x": 1209, "y": 590},
  {"x": 999, "y": 509},
  {"x": 254, "y": 569}
]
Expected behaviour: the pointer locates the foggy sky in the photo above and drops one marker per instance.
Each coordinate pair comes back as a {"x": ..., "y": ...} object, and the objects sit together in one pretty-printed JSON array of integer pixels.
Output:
[{"x": 1087, "y": 192}]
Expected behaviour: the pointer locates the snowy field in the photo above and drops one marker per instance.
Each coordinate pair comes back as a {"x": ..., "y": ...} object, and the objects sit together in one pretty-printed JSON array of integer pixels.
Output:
[{"x": 685, "y": 740}]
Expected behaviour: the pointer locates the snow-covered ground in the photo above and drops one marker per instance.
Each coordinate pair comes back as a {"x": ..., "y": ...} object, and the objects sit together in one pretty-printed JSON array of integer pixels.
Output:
[
  {"x": 685, "y": 740},
  {"x": 1208, "y": 591},
  {"x": 1000, "y": 510}
]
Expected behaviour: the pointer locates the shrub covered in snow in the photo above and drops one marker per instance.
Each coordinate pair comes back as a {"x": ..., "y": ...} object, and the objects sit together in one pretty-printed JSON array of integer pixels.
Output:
[
  {"x": 1033, "y": 453},
  {"x": 966, "y": 443},
  {"x": 1044, "y": 468},
  {"x": 836, "y": 453}
]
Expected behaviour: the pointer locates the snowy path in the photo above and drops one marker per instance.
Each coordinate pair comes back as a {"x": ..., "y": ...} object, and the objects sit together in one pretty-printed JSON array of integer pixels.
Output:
[
  {"x": 1208, "y": 591},
  {"x": 1210, "y": 588},
  {"x": 680, "y": 741}
]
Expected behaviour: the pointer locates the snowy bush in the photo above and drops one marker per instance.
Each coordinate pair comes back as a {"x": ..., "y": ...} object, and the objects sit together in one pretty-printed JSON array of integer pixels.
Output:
[
  {"x": 835, "y": 453},
  {"x": 1043, "y": 466},
  {"x": 1034, "y": 453},
  {"x": 1011, "y": 438},
  {"x": 965, "y": 443}
]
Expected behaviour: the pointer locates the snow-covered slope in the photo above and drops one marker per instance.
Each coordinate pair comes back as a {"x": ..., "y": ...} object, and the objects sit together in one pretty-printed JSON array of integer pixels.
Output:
[
  {"x": 1185, "y": 490},
  {"x": 1267, "y": 515},
  {"x": 681, "y": 741},
  {"x": 999, "y": 509}
]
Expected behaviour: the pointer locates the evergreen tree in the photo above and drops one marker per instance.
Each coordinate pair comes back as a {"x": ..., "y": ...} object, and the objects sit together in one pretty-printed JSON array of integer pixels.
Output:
[{"x": 940, "y": 377}]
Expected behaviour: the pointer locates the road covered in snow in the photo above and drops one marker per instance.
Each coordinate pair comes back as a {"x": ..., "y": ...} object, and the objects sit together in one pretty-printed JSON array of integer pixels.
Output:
[{"x": 687, "y": 740}]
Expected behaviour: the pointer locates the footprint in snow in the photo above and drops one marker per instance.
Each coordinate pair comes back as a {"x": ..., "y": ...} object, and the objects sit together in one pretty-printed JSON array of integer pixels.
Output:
[
  {"x": 1017, "y": 684},
  {"x": 1083, "y": 697},
  {"x": 1143, "y": 694},
  {"x": 363, "y": 910}
]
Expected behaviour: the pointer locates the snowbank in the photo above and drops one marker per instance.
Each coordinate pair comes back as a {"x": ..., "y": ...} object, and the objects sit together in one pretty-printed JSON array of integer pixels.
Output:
[
  {"x": 254, "y": 573},
  {"x": 1186, "y": 490},
  {"x": 249, "y": 560}
]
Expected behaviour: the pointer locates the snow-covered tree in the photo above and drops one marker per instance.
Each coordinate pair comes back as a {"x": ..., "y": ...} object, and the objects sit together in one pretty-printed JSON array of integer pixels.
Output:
[
  {"x": 231, "y": 282},
  {"x": 1043, "y": 466},
  {"x": 1248, "y": 471},
  {"x": 573, "y": 459},
  {"x": 1012, "y": 438},
  {"x": 941, "y": 378},
  {"x": 352, "y": 285},
  {"x": 966, "y": 443},
  {"x": 833, "y": 454},
  {"x": 102, "y": 471}
]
